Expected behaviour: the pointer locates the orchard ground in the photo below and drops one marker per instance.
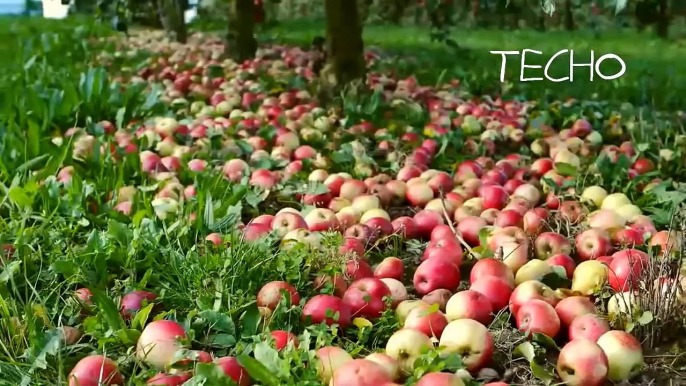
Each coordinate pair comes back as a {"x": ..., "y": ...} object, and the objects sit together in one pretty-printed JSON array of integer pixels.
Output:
[{"x": 137, "y": 225}]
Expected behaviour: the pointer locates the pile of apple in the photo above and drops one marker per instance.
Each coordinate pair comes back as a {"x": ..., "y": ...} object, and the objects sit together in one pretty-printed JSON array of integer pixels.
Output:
[{"x": 508, "y": 220}]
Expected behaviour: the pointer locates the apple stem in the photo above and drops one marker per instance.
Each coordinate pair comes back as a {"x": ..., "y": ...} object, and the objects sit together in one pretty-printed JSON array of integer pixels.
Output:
[{"x": 449, "y": 221}]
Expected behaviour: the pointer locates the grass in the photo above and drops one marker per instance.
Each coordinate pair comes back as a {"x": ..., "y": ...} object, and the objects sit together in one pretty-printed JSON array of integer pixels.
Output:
[{"x": 655, "y": 75}]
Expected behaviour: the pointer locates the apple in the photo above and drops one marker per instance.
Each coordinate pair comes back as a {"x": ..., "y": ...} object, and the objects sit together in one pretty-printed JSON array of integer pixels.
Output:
[
  {"x": 356, "y": 269},
  {"x": 442, "y": 232},
  {"x": 283, "y": 338},
  {"x": 389, "y": 364},
  {"x": 582, "y": 363},
  {"x": 428, "y": 321},
  {"x": 404, "y": 308},
  {"x": 133, "y": 301},
  {"x": 362, "y": 232},
  {"x": 338, "y": 203},
  {"x": 390, "y": 267},
  {"x": 538, "y": 316},
  {"x": 439, "y": 296},
  {"x": 365, "y": 297},
  {"x": 448, "y": 249},
  {"x": 159, "y": 342},
  {"x": 548, "y": 244},
  {"x": 589, "y": 276},
  {"x": 533, "y": 222},
  {"x": 469, "y": 228},
  {"x": 318, "y": 307},
  {"x": 621, "y": 306},
  {"x": 426, "y": 221},
  {"x": 351, "y": 247},
  {"x": 321, "y": 219},
  {"x": 532, "y": 270},
  {"x": 588, "y": 326},
  {"x": 334, "y": 182},
  {"x": 592, "y": 243},
  {"x": 406, "y": 227},
  {"x": 406, "y": 346},
  {"x": 272, "y": 293},
  {"x": 360, "y": 372},
  {"x": 351, "y": 189},
  {"x": 329, "y": 360},
  {"x": 491, "y": 267},
  {"x": 629, "y": 212},
  {"x": 95, "y": 370},
  {"x": 494, "y": 197},
  {"x": 624, "y": 355},
  {"x": 528, "y": 192},
  {"x": 626, "y": 269},
  {"x": 419, "y": 194},
  {"x": 564, "y": 261},
  {"x": 301, "y": 236},
  {"x": 594, "y": 195},
  {"x": 668, "y": 241},
  {"x": 513, "y": 253},
  {"x": 365, "y": 203},
  {"x": 380, "y": 226},
  {"x": 531, "y": 289},
  {"x": 614, "y": 201},
  {"x": 471, "y": 340},
  {"x": 572, "y": 307},
  {"x": 469, "y": 304},
  {"x": 439, "y": 379},
  {"x": 165, "y": 379},
  {"x": 627, "y": 237},
  {"x": 337, "y": 283},
  {"x": 495, "y": 289},
  {"x": 436, "y": 273},
  {"x": 606, "y": 219},
  {"x": 398, "y": 291}
]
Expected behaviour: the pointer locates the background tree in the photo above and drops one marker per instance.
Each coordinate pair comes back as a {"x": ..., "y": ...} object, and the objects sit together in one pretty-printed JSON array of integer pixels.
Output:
[
  {"x": 344, "y": 45},
  {"x": 172, "y": 15},
  {"x": 241, "y": 43}
]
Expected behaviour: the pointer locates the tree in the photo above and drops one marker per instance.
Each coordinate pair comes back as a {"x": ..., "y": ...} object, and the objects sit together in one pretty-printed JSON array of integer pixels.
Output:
[
  {"x": 241, "y": 44},
  {"x": 171, "y": 13},
  {"x": 345, "y": 48},
  {"x": 569, "y": 15}
]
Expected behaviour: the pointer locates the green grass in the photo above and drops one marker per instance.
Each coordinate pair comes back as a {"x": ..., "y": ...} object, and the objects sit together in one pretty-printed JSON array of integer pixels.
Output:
[{"x": 655, "y": 75}]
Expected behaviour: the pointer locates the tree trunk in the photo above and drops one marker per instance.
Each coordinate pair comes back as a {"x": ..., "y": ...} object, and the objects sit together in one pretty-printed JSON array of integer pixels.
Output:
[
  {"x": 171, "y": 14},
  {"x": 345, "y": 47},
  {"x": 241, "y": 43},
  {"x": 662, "y": 27},
  {"x": 569, "y": 15},
  {"x": 398, "y": 11}
]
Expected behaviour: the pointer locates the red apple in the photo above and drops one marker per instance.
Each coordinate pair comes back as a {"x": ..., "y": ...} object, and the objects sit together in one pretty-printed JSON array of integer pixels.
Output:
[
  {"x": 426, "y": 221},
  {"x": 572, "y": 307},
  {"x": 496, "y": 290},
  {"x": 427, "y": 321},
  {"x": 233, "y": 370},
  {"x": 360, "y": 372},
  {"x": 549, "y": 244},
  {"x": 469, "y": 228},
  {"x": 495, "y": 197},
  {"x": 469, "y": 305},
  {"x": 159, "y": 342},
  {"x": 531, "y": 289},
  {"x": 588, "y": 326},
  {"x": 564, "y": 261},
  {"x": 582, "y": 363},
  {"x": 626, "y": 268},
  {"x": 390, "y": 267},
  {"x": 317, "y": 309},
  {"x": 405, "y": 227},
  {"x": 537, "y": 316},
  {"x": 436, "y": 273},
  {"x": 282, "y": 338},
  {"x": 95, "y": 370},
  {"x": 272, "y": 293},
  {"x": 491, "y": 267},
  {"x": 592, "y": 243},
  {"x": 365, "y": 298}
]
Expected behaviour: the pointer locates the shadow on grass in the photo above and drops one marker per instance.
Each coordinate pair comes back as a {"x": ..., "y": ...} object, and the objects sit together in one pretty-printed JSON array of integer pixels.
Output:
[{"x": 655, "y": 70}]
